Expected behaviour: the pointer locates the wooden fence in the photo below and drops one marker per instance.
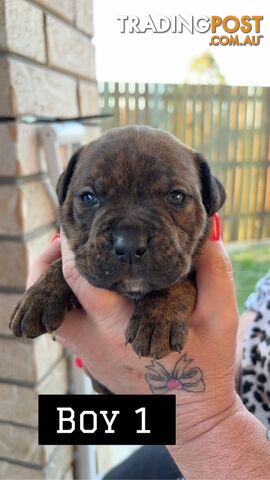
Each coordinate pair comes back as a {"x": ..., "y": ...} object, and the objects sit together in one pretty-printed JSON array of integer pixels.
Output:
[{"x": 230, "y": 125}]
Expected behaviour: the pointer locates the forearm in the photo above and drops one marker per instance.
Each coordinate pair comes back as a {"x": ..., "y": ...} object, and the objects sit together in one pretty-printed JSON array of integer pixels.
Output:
[{"x": 233, "y": 445}]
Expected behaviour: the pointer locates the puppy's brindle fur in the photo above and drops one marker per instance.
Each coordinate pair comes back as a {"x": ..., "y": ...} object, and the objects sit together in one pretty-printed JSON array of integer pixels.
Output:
[{"x": 132, "y": 172}]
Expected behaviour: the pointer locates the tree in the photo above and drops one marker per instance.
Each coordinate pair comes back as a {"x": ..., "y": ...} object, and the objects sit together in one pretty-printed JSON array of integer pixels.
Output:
[{"x": 204, "y": 69}]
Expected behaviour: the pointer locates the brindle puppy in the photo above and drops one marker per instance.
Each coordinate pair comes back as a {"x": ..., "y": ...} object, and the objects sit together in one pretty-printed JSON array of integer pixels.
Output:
[{"x": 136, "y": 207}]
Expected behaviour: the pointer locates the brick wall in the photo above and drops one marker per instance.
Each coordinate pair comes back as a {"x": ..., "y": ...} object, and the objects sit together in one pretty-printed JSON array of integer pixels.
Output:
[{"x": 47, "y": 67}]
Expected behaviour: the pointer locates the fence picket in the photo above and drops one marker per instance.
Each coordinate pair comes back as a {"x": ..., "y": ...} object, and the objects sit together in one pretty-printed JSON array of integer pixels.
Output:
[{"x": 229, "y": 125}]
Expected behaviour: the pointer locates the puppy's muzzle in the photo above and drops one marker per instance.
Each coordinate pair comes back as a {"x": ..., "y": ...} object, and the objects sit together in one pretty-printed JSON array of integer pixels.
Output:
[{"x": 129, "y": 244}]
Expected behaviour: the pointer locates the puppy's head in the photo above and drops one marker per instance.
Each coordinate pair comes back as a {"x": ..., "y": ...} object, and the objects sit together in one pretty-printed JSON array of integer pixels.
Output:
[{"x": 135, "y": 207}]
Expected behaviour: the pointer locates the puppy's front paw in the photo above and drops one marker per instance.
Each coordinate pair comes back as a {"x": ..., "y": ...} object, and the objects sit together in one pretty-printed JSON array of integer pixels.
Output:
[
  {"x": 36, "y": 313},
  {"x": 156, "y": 337}
]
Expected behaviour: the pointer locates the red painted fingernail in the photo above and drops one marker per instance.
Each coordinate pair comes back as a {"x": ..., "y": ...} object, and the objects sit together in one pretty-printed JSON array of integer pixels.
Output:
[
  {"x": 78, "y": 362},
  {"x": 55, "y": 237},
  {"x": 215, "y": 234}
]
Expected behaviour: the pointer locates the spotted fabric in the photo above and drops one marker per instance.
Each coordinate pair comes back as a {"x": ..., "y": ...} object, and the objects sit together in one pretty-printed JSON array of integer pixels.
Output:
[{"x": 255, "y": 377}]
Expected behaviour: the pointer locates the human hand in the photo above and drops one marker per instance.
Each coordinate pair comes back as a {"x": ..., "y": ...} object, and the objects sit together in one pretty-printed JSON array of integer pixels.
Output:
[{"x": 202, "y": 376}]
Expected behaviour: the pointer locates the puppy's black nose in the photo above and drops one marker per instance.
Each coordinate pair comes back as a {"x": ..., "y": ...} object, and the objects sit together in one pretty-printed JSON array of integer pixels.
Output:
[{"x": 129, "y": 245}]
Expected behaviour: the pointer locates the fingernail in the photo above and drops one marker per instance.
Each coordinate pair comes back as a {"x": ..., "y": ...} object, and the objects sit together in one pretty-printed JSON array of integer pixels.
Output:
[
  {"x": 56, "y": 236},
  {"x": 215, "y": 234},
  {"x": 78, "y": 362}
]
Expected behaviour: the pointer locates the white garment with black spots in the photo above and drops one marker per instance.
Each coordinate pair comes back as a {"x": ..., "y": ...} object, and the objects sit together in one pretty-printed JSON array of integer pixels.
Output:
[{"x": 255, "y": 377}]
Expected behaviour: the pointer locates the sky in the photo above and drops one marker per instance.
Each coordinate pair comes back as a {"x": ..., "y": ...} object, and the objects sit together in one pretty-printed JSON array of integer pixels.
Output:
[{"x": 164, "y": 58}]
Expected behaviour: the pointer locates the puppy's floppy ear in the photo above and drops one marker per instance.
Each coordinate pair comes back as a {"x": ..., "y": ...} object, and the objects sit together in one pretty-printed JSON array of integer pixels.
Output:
[
  {"x": 213, "y": 193},
  {"x": 65, "y": 177}
]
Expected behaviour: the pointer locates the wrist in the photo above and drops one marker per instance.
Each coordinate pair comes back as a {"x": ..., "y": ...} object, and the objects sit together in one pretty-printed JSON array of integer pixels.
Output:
[
  {"x": 202, "y": 416},
  {"x": 225, "y": 446}
]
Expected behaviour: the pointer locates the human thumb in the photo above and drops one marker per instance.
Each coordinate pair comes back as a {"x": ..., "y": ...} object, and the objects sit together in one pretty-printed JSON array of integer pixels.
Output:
[{"x": 216, "y": 302}]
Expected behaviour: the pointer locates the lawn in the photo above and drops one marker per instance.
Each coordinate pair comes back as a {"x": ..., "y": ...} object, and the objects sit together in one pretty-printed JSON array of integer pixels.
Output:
[{"x": 249, "y": 265}]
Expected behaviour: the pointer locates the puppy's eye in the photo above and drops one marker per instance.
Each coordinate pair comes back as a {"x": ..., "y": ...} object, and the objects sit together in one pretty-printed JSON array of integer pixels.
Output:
[
  {"x": 89, "y": 198},
  {"x": 176, "y": 197}
]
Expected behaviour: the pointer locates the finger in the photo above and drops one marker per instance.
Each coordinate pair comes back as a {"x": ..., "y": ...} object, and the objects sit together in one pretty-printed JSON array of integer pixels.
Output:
[
  {"x": 42, "y": 263},
  {"x": 215, "y": 275},
  {"x": 216, "y": 292},
  {"x": 73, "y": 330},
  {"x": 99, "y": 303}
]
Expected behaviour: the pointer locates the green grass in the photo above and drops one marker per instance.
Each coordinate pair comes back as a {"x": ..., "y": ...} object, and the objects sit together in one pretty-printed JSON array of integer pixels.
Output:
[{"x": 249, "y": 266}]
